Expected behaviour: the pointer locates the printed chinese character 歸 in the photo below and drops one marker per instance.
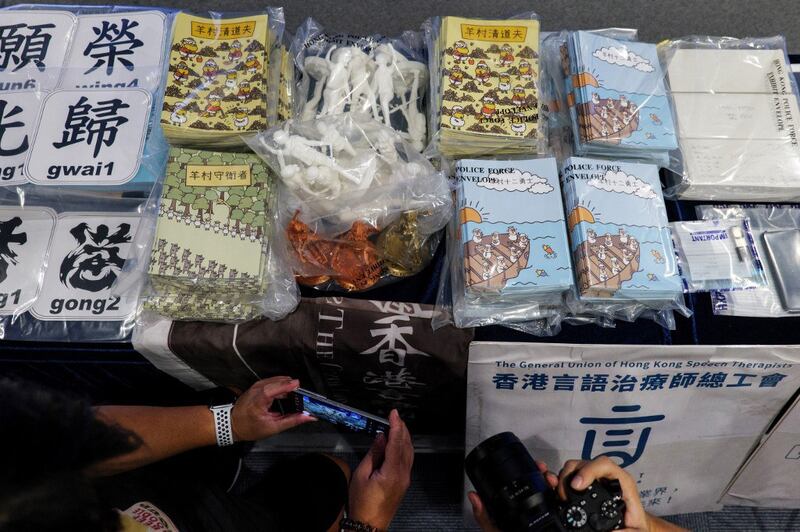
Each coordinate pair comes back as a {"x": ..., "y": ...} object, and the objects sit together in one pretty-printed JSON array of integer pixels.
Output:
[{"x": 96, "y": 125}]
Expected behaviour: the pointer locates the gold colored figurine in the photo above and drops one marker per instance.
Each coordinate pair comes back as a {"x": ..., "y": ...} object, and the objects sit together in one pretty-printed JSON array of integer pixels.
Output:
[{"x": 403, "y": 248}]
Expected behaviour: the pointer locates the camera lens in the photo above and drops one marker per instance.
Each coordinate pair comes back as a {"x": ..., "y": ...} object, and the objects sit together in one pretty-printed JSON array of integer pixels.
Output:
[{"x": 511, "y": 486}]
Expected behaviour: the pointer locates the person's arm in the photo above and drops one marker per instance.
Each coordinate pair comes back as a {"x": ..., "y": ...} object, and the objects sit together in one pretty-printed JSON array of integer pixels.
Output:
[
  {"x": 381, "y": 479},
  {"x": 167, "y": 431}
]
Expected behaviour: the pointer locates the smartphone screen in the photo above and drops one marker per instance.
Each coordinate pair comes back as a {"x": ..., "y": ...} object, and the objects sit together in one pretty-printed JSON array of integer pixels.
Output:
[{"x": 350, "y": 418}]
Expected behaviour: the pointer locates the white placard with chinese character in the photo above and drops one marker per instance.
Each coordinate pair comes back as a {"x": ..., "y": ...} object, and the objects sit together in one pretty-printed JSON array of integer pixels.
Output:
[
  {"x": 25, "y": 235},
  {"x": 87, "y": 256},
  {"x": 117, "y": 50},
  {"x": 19, "y": 112},
  {"x": 89, "y": 137},
  {"x": 680, "y": 419},
  {"x": 769, "y": 478},
  {"x": 33, "y": 46}
]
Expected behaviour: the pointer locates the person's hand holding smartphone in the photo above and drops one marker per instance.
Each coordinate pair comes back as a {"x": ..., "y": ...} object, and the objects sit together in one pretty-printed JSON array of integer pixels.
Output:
[
  {"x": 251, "y": 417},
  {"x": 381, "y": 479}
]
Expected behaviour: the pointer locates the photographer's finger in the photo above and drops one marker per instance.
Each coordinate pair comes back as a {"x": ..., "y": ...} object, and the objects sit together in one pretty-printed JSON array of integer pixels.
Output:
[
  {"x": 549, "y": 477},
  {"x": 479, "y": 512},
  {"x": 566, "y": 471},
  {"x": 604, "y": 467}
]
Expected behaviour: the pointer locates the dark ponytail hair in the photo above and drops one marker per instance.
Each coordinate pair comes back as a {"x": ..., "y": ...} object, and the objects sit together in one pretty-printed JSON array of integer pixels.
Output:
[{"x": 47, "y": 440}]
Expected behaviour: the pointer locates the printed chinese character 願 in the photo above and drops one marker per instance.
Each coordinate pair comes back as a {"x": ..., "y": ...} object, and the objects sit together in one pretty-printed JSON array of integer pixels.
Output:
[{"x": 21, "y": 50}]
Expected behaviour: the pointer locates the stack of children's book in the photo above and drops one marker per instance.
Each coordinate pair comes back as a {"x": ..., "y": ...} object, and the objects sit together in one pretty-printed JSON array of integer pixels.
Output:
[
  {"x": 737, "y": 112},
  {"x": 216, "y": 88},
  {"x": 209, "y": 255},
  {"x": 513, "y": 258},
  {"x": 621, "y": 243},
  {"x": 484, "y": 76},
  {"x": 617, "y": 99}
]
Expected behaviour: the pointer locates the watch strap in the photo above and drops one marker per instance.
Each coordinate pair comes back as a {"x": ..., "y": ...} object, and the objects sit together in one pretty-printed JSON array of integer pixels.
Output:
[{"x": 222, "y": 424}]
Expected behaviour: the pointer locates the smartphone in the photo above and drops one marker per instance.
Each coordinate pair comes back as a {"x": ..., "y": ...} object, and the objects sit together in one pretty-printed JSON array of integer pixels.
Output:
[{"x": 337, "y": 413}]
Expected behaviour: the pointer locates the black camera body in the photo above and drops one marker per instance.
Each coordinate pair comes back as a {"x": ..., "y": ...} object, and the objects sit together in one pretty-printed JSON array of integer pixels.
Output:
[{"x": 519, "y": 499}]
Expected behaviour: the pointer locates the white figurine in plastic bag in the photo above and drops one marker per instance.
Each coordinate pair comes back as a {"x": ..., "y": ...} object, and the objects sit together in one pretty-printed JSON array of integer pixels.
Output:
[
  {"x": 359, "y": 204},
  {"x": 354, "y": 75}
]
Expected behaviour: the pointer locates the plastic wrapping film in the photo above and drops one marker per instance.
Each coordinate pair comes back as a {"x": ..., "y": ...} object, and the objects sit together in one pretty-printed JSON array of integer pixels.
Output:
[
  {"x": 206, "y": 246},
  {"x": 80, "y": 93},
  {"x": 760, "y": 302},
  {"x": 484, "y": 94},
  {"x": 617, "y": 100},
  {"x": 286, "y": 81},
  {"x": 622, "y": 252},
  {"x": 507, "y": 248},
  {"x": 60, "y": 253},
  {"x": 223, "y": 77},
  {"x": 359, "y": 206},
  {"x": 717, "y": 255},
  {"x": 736, "y": 106},
  {"x": 384, "y": 77},
  {"x": 81, "y": 152},
  {"x": 557, "y": 79}
]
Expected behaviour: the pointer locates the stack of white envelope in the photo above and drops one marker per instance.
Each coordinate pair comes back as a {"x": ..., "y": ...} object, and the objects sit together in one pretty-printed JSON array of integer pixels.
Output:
[{"x": 737, "y": 114}]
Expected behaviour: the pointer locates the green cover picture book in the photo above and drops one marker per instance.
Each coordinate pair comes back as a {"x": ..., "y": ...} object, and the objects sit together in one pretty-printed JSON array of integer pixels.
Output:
[{"x": 213, "y": 225}]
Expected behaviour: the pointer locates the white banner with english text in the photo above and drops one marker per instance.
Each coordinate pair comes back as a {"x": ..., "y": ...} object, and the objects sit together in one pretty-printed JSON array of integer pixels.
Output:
[{"x": 680, "y": 419}]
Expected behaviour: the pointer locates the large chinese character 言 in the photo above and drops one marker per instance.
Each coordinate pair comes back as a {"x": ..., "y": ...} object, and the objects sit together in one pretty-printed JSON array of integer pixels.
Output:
[
  {"x": 96, "y": 125},
  {"x": 114, "y": 42},
  {"x": 96, "y": 262},
  {"x": 621, "y": 432},
  {"x": 21, "y": 49}
]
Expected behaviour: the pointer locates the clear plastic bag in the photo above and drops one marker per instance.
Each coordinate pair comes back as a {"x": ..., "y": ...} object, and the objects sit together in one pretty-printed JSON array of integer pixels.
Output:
[
  {"x": 556, "y": 123},
  {"x": 83, "y": 94},
  {"x": 375, "y": 75},
  {"x": 507, "y": 248},
  {"x": 760, "y": 302},
  {"x": 223, "y": 77},
  {"x": 286, "y": 81},
  {"x": 61, "y": 253},
  {"x": 736, "y": 105},
  {"x": 484, "y": 85},
  {"x": 206, "y": 248},
  {"x": 717, "y": 255},
  {"x": 607, "y": 96},
  {"x": 358, "y": 205},
  {"x": 622, "y": 251}
]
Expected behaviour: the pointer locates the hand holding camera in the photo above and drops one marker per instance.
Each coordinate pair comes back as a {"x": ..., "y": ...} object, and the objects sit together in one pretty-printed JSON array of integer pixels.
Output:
[{"x": 514, "y": 493}]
